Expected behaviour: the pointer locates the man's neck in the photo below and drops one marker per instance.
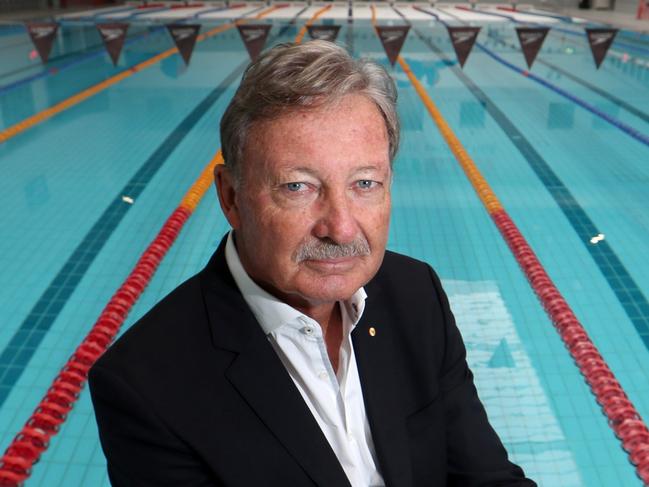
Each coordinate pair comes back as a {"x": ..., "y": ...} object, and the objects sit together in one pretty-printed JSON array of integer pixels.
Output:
[
  {"x": 329, "y": 316},
  {"x": 324, "y": 314}
]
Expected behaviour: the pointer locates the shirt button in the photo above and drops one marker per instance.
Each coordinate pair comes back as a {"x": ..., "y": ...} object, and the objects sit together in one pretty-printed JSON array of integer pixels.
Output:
[
  {"x": 351, "y": 438},
  {"x": 308, "y": 330},
  {"x": 323, "y": 374}
]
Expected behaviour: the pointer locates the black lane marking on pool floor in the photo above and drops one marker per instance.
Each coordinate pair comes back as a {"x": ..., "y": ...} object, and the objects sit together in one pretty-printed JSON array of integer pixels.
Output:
[
  {"x": 32, "y": 330},
  {"x": 631, "y": 297}
]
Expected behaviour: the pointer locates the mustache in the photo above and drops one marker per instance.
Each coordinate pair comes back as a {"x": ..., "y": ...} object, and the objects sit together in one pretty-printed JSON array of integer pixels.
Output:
[{"x": 328, "y": 249}]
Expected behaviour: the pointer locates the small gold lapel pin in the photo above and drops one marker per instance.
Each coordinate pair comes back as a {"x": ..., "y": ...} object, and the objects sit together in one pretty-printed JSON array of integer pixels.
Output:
[{"x": 372, "y": 331}]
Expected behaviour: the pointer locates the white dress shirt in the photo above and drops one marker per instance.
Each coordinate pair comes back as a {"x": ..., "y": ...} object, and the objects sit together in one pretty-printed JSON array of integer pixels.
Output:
[{"x": 335, "y": 400}]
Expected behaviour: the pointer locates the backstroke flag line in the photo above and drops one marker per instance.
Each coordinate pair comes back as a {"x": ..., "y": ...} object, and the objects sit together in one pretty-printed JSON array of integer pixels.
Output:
[
  {"x": 42, "y": 34},
  {"x": 392, "y": 37},
  {"x": 113, "y": 36},
  {"x": 531, "y": 40},
  {"x": 184, "y": 36},
  {"x": 600, "y": 40},
  {"x": 463, "y": 39},
  {"x": 324, "y": 32},
  {"x": 254, "y": 37}
]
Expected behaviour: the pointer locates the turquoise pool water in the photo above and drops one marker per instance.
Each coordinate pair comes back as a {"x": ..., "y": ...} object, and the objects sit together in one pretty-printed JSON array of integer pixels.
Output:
[{"x": 62, "y": 182}]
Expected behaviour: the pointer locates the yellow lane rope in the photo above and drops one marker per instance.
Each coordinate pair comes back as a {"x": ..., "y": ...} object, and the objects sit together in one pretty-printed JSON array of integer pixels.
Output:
[
  {"x": 39, "y": 117},
  {"x": 300, "y": 35},
  {"x": 201, "y": 185},
  {"x": 478, "y": 181},
  {"x": 485, "y": 193}
]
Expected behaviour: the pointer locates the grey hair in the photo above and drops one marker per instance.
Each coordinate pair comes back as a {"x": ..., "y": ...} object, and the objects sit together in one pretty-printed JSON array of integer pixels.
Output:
[{"x": 298, "y": 76}]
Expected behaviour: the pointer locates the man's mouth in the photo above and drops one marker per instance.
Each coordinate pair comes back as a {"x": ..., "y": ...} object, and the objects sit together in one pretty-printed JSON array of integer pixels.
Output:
[{"x": 337, "y": 263}]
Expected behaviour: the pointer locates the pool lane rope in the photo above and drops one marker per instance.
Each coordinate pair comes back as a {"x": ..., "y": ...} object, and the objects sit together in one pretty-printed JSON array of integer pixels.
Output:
[
  {"x": 622, "y": 416},
  {"x": 30, "y": 443},
  {"x": 309, "y": 22},
  {"x": 636, "y": 134},
  {"x": 627, "y": 129},
  {"x": 83, "y": 95},
  {"x": 553, "y": 28},
  {"x": 34, "y": 438}
]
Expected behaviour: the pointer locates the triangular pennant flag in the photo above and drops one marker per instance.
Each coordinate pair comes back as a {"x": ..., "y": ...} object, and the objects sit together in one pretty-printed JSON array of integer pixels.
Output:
[
  {"x": 254, "y": 37},
  {"x": 463, "y": 39},
  {"x": 184, "y": 36},
  {"x": 42, "y": 34},
  {"x": 392, "y": 37},
  {"x": 600, "y": 40},
  {"x": 113, "y": 36},
  {"x": 531, "y": 39},
  {"x": 324, "y": 32}
]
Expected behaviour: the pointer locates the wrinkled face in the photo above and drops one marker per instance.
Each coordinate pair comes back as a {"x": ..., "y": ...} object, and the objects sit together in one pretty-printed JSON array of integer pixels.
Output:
[{"x": 312, "y": 213}]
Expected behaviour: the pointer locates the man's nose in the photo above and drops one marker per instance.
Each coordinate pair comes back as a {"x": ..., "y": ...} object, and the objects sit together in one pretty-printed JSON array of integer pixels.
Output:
[{"x": 336, "y": 219}]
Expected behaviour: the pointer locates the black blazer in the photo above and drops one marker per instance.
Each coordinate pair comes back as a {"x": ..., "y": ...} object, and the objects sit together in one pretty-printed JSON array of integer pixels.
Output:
[{"x": 194, "y": 394}]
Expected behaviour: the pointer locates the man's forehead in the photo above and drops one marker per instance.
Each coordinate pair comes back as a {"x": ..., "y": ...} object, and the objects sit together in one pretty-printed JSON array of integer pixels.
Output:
[
  {"x": 358, "y": 110},
  {"x": 349, "y": 136}
]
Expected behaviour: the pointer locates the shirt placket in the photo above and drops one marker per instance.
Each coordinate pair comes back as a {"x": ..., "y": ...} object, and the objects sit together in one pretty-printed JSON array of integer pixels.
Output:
[{"x": 350, "y": 456}]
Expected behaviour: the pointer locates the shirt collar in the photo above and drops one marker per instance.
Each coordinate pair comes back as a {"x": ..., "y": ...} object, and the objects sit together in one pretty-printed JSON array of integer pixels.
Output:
[{"x": 271, "y": 313}]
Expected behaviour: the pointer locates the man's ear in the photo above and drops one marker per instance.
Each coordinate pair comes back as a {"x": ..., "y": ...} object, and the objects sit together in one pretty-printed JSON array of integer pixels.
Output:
[{"x": 226, "y": 189}]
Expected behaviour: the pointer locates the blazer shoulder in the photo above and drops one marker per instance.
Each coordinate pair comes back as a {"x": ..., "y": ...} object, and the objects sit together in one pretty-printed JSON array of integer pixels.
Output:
[
  {"x": 409, "y": 290},
  {"x": 396, "y": 260},
  {"x": 406, "y": 273},
  {"x": 164, "y": 327}
]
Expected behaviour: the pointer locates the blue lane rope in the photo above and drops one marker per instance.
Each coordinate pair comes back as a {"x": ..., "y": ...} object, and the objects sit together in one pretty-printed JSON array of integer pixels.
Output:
[
  {"x": 610, "y": 97},
  {"x": 636, "y": 134},
  {"x": 563, "y": 31},
  {"x": 626, "y": 290},
  {"x": 569, "y": 20}
]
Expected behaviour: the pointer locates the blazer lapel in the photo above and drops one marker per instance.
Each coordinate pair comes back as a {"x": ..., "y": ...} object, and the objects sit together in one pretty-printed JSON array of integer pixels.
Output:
[
  {"x": 260, "y": 377},
  {"x": 374, "y": 350}
]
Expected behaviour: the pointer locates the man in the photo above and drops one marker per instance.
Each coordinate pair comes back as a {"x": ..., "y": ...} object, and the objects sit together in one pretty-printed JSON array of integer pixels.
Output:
[{"x": 303, "y": 354}]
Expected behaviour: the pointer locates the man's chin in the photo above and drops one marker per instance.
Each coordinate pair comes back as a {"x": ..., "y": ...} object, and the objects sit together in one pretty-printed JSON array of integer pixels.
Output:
[{"x": 332, "y": 288}]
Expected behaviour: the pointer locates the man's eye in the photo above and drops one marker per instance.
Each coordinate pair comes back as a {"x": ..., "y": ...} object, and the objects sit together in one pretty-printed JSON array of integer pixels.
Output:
[
  {"x": 295, "y": 187},
  {"x": 366, "y": 184}
]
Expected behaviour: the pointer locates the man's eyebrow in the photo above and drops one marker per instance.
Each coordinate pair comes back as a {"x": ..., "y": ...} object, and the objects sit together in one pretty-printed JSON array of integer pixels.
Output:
[
  {"x": 367, "y": 168},
  {"x": 314, "y": 173},
  {"x": 303, "y": 169}
]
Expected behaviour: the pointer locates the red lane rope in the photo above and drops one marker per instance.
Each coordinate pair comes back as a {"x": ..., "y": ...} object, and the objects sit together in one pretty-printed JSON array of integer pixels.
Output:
[
  {"x": 622, "y": 416},
  {"x": 33, "y": 439}
]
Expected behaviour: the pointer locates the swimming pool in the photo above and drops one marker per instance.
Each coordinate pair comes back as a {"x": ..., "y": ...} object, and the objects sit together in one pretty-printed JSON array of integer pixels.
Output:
[{"x": 84, "y": 192}]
